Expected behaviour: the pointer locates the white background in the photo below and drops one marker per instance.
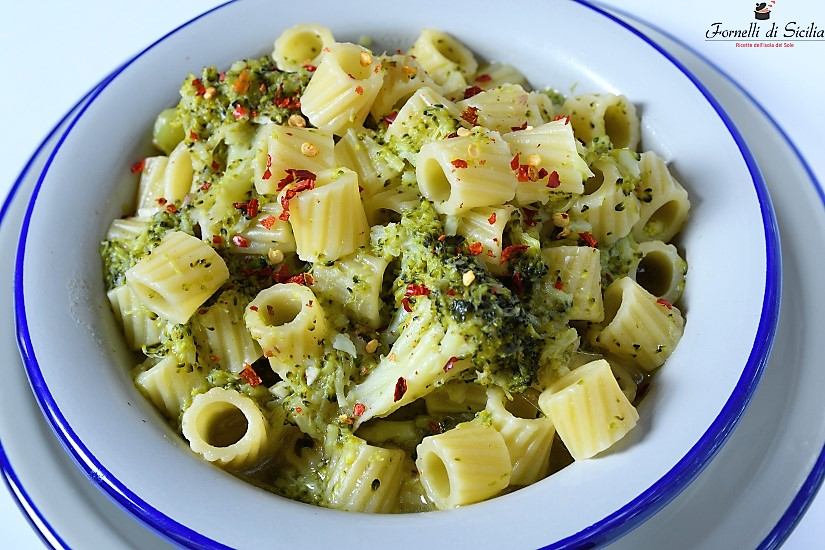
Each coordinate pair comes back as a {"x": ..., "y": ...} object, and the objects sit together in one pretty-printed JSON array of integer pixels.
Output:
[{"x": 52, "y": 52}]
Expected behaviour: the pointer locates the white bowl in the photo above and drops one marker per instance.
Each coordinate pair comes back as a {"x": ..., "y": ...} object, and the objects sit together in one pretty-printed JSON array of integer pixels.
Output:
[{"x": 78, "y": 364}]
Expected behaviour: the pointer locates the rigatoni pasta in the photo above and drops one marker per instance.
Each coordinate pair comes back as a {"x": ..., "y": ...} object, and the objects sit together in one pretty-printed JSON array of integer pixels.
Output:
[{"x": 386, "y": 282}]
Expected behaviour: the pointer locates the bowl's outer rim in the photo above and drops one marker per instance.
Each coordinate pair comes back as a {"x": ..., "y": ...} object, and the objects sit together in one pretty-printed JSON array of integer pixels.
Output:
[{"x": 601, "y": 532}]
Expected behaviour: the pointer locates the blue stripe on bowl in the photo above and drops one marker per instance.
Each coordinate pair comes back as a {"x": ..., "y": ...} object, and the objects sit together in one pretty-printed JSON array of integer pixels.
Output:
[{"x": 611, "y": 527}]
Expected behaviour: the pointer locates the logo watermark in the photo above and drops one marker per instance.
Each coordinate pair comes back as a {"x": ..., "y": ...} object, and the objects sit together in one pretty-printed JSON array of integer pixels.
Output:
[{"x": 760, "y": 34}]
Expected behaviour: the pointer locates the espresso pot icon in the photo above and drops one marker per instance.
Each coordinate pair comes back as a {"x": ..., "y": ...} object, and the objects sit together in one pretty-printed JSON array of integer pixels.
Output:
[{"x": 762, "y": 11}]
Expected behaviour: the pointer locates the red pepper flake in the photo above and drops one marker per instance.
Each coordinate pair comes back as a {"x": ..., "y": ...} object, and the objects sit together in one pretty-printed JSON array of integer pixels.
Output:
[
  {"x": 250, "y": 376},
  {"x": 390, "y": 118},
  {"x": 295, "y": 175},
  {"x": 400, "y": 388},
  {"x": 138, "y": 166},
  {"x": 301, "y": 185},
  {"x": 471, "y": 91},
  {"x": 268, "y": 161},
  {"x": 242, "y": 84},
  {"x": 415, "y": 289},
  {"x": 511, "y": 251},
  {"x": 240, "y": 241},
  {"x": 452, "y": 135},
  {"x": 298, "y": 410},
  {"x": 200, "y": 89},
  {"x": 161, "y": 201},
  {"x": 542, "y": 173},
  {"x": 268, "y": 222},
  {"x": 222, "y": 76},
  {"x": 205, "y": 186},
  {"x": 359, "y": 90},
  {"x": 310, "y": 68},
  {"x": 214, "y": 358},
  {"x": 562, "y": 117},
  {"x": 518, "y": 284},
  {"x": 252, "y": 208},
  {"x": 484, "y": 78},
  {"x": 217, "y": 239},
  {"x": 517, "y": 128},
  {"x": 358, "y": 409},
  {"x": 239, "y": 111},
  {"x": 475, "y": 248},
  {"x": 301, "y": 279},
  {"x": 193, "y": 136},
  {"x": 588, "y": 239},
  {"x": 558, "y": 285},
  {"x": 459, "y": 163},
  {"x": 451, "y": 292},
  {"x": 514, "y": 164},
  {"x": 663, "y": 302},
  {"x": 267, "y": 174},
  {"x": 253, "y": 308},
  {"x": 529, "y": 216},
  {"x": 215, "y": 165},
  {"x": 405, "y": 303},
  {"x": 553, "y": 180},
  {"x": 450, "y": 363},
  {"x": 470, "y": 115},
  {"x": 171, "y": 208},
  {"x": 492, "y": 219}
]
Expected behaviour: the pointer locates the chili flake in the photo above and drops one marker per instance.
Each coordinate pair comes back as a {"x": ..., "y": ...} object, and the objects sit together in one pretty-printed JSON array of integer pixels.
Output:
[
  {"x": 200, "y": 89},
  {"x": 514, "y": 164},
  {"x": 553, "y": 180},
  {"x": 193, "y": 136},
  {"x": 511, "y": 251},
  {"x": 310, "y": 68},
  {"x": 250, "y": 376},
  {"x": 359, "y": 90},
  {"x": 390, "y": 118},
  {"x": 558, "y": 285},
  {"x": 242, "y": 84},
  {"x": 240, "y": 241},
  {"x": 663, "y": 302},
  {"x": 566, "y": 118},
  {"x": 301, "y": 279},
  {"x": 470, "y": 115},
  {"x": 161, "y": 201},
  {"x": 542, "y": 173},
  {"x": 253, "y": 308},
  {"x": 450, "y": 363},
  {"x": 588, "y": 239},
  {"x": 171, "y": 208},
  {"x": 517, "y": 128},
  {"x": 239, "y": 111},
  {"x": 492, "y": 219},
  {"x": 405, "y": 303},
  {"x": 400, "y": 388},
  {"x": 475, "y": 248},
  {"x": 471, "y": 91},
  {"x": 484, "y": 78},
  {"x": 415, "y": 289},
  {"x": 138, "y": 166},
  {"x": 268, "y": 222},
  {"x": 217, "y": 239},
  {"x": 459, "y": 163},
  {"x": 358, "y": 409},
  {"x": 529, "y": 216}
]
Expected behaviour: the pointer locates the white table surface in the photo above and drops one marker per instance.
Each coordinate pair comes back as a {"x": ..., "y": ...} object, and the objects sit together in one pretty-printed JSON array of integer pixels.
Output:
[{"x": 52, "y": 52}]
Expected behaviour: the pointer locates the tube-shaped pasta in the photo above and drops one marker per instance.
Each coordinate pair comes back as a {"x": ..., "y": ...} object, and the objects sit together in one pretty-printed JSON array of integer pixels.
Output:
[
  {"x": 164, "y": 180},
  {"x": 353, "y": 282},
  {"x": 613, "y": 209},
  {"x": 467, "y": 464},
  {"x": 329, "y": 221},
  {"x": 170, "y": 386},
  {"x": 637, "y": 326},
  {"x": 500, "y": 109},
  {"x": 577, "y": 270},
  {"x": 281, "y": 148},
  {"x": 220, "y": 330},
  {"x": 664, "y": 202},
  {"x": 402, "y": 77},
  {"x": 589, "y": 410},
  {"x": 660, "y": 270},
  {"x": 265, "y": 232},
  {"x": 444, "y": 58},
  {"x": 528, "y": 440},
  {"x": 550, "y": 147},
  {"x": 462, "y": 173},
  {"x": 456, "y": 397},
  {"x": 177, "y": 276},
  {"x": 301, "y": 45},
  {"x": 341, "y": 91},
  {"x": 362, "y": 477},
  {"x": 486, "y": 226},
  {"x": 374, "y": 163},
  {"x": 126, "y": 228},
  {"x": 141, "y": 326},
  {"x": 496, "y": 74},
  {"x": 226, "y": 427},
  {"x": 150, "y": 187},
  {"x": 289, "y": 324},
  {"x": 397, "y": 196},
  {"x": 598, "y": 115},
  {"x": 415, "y": 365},
  {"x": 426, "y": 116}
]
